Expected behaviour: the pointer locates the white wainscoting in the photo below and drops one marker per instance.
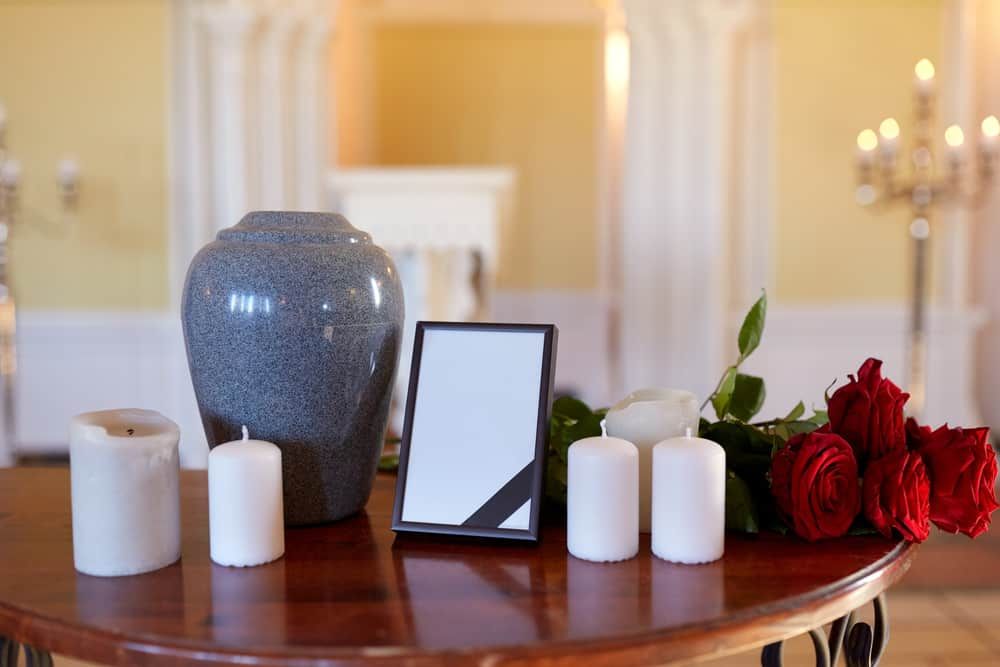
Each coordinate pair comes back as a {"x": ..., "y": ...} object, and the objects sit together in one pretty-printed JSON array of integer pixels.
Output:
[
  {"x": 76, "y": 361},
  {"x": 72, "y": 362},
  {"x": 806, "y": 348}
]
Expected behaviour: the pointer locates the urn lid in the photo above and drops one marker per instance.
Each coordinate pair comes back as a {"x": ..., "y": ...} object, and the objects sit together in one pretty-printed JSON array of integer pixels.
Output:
[{"x": 294, "y": 227}]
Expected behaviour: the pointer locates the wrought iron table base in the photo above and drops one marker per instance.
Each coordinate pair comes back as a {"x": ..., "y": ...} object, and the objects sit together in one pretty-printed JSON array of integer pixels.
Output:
[
  {"x": 862, "y": 644},
  {"x": 9, "y": 650}
]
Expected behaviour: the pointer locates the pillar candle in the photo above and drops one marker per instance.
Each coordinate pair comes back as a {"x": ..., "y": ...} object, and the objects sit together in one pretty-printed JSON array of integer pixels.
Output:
[
  {"x": 245, "y": 508},
  {"x": 646, "y": 417},
  {"x": 602, "y": 510},
  {"x": 125, "y": 493},
  {"x": 689, "y": 500}
]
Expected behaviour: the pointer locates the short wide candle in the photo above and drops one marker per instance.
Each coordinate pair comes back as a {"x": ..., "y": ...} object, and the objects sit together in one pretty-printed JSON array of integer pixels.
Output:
[
  {"x": 602, "y": 499},
  {"x": 646, "y": 417},
  {"x": 125, "y": 494},
  {"x": 245, "y": 508},
  {"x": 689, "y": 500}
]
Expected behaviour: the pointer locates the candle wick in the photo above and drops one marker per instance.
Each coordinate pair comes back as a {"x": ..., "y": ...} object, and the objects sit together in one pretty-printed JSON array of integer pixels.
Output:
[
  {"x": 246, "y": 433},
  {"x": 131, "y": 431},
  {"x": 688, "y": 432}
]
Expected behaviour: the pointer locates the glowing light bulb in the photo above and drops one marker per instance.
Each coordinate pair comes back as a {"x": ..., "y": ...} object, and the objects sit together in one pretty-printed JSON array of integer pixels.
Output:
[
  {"x": 867, "y": 143},
  {"x": 991, "y": 127},
  {"x": 924, "y": 69},
  {"x": 954, "y": 136},
  {"x": 867, "y": 140},
  {"x": 889, "y": 129}
]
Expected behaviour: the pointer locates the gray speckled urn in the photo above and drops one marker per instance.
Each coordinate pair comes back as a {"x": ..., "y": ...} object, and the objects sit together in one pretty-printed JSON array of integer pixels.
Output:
[{"x": 293, "y": 323}]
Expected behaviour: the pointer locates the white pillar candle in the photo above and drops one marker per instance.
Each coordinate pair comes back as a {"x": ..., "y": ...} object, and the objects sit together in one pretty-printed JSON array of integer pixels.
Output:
[
  {"x": 245, "y": 508},
  {"x": 646, "y": 417},
  {"x": 125, "y": 493},
  {"x": 602, "y": 510},
  {"x": 689, "y": 500}
]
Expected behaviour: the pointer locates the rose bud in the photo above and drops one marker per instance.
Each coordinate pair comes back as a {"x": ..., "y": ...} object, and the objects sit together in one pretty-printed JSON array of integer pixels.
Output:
[
  {"x": 962, "y": 467},
  {"x": 868, "y": 413},
  {"x": 896, "y": 495},
  {"x": 814, "y": 479}
]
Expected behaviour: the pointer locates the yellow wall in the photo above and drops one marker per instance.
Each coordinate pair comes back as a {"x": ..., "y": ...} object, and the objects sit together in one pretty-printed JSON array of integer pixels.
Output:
[
  {"x": 841, "y": 67},
  {"x": 88, "y": 79},
  {"x": 524, "y": 95},
  {"x": 518, "y": 95},
  {"x": 351, "y": 86}
]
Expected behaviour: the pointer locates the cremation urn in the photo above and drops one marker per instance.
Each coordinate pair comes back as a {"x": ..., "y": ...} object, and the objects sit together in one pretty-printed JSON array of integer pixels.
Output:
[{"x": 293, "y": 324}]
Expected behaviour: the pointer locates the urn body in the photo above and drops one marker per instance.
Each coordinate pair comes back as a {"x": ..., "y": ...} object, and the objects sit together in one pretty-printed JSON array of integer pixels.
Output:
[{"x": 292, "y": 323}]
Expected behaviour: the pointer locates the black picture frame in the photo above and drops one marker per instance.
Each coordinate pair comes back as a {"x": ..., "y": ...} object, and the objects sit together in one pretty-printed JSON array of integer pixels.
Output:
[{"x": 515, "y": 487}]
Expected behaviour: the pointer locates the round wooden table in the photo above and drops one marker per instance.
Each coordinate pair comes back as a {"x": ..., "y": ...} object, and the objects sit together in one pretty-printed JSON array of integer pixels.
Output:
[{"x": 351, "y": 593}]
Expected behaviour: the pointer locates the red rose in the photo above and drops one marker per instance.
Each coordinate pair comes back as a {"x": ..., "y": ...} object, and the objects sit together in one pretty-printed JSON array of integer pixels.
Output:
[
  {"x": 814, "y": 479},
  {"x": 962, "y": 467},
  {"x": 896, "y": 494},
  {"x": 868, "y": 413}
]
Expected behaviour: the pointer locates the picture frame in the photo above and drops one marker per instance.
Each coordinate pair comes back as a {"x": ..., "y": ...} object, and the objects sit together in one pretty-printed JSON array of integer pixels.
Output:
[{"x": 475, "y": 434}]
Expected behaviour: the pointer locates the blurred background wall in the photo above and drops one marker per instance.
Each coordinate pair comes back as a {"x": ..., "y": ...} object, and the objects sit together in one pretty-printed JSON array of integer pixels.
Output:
[
  {"x": 527, "y": 96},
  {"x": 534, "y": 88},
  {"x": 87, "y": 80},
  {"x": 840, "y": 67}
]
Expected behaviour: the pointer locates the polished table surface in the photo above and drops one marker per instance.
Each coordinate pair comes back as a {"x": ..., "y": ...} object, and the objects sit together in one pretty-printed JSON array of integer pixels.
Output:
[{"x": 350, "y": 593}]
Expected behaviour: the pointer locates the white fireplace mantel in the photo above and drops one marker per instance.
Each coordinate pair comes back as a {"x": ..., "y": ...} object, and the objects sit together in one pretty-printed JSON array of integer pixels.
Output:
[{"x": 443, "y": 227}]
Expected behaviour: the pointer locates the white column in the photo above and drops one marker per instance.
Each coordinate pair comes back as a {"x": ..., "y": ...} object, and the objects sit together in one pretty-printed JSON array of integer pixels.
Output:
[
  {"x": 950, "y": 242},
  {"x": 189, "y": 209},
  {"x": 275, "y": 94},
  {"x": 678, "y": 164},
  {"x": 311, "y": 63},
  {"x": 229, "y": 28},
  {"x": 753, "y": 263},
  {"x": 714, "y": 244}
]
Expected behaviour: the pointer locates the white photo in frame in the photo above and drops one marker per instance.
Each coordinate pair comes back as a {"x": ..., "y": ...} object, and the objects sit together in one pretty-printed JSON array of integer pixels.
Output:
[{"x": 472, "y": 457}]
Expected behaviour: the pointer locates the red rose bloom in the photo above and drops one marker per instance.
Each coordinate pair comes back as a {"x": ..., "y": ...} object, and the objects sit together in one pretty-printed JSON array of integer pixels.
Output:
[
  {"x": 868, "y": 413},
  {"x": 962, "y": 467},
  {"x": 814, "y": 479},
  {"x": 896, "y": 494}
]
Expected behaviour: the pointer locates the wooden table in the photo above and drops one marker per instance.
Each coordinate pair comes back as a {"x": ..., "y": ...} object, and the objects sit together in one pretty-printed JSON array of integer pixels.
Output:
[{"x": 350, "y": 594}]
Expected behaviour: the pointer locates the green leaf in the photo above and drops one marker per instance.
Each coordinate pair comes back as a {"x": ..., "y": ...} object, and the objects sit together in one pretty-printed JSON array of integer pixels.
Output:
[
  {"x": 722, "y": 397},
  {"x": 797, "y": 411},
  {"x": 588, "y": 427},
  {"x": 826, "y": 392},
  {"x": 571, "y": 420},
  {"x": 741, "y": 511},
  {"x": 388, "y": 463},
  {"x": 752, "y": 328},
  {"x": 567, "y": 406},
  {"x": 861, "y": 527},
  {"x": 786, "y": 430},
  {"x": 748, "y": 450},
  {"x": 555, "y": 481},
  {"x": 773, "y": 523},
  {"x": 820, "y": 418},
  {"x": 748, "y": 396}
]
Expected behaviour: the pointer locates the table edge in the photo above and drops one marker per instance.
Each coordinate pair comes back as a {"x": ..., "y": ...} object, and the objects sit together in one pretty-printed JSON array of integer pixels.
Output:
[{"x": 742, "y": 631}]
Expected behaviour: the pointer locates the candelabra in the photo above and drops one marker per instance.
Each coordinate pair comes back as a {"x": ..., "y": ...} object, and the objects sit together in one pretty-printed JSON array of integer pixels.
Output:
[{"x": 881, "y": 185}]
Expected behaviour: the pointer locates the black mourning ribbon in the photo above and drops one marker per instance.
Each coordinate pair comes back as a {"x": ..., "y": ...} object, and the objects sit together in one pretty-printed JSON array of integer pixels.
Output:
[{"x": 504, "y": 502}]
